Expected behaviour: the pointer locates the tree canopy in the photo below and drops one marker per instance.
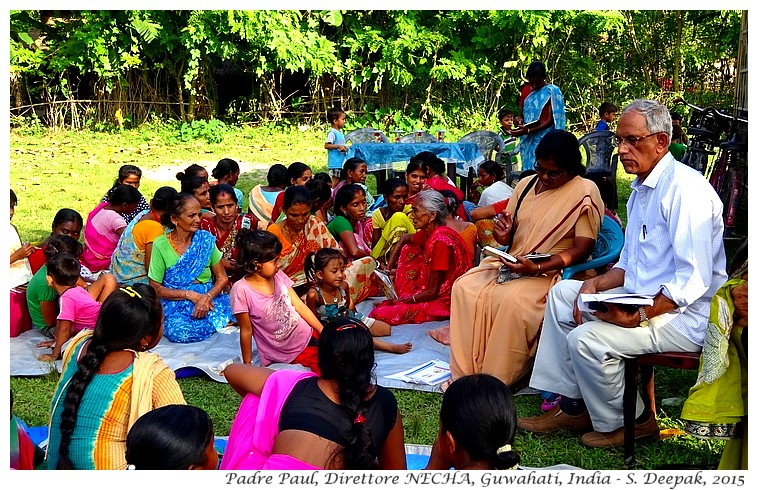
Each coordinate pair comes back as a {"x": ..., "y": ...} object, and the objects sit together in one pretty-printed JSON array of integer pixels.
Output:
[{"x": 446, "y": 67}]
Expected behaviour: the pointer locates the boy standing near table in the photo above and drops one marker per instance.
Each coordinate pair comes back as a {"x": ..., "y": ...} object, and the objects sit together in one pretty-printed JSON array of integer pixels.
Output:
[
  {"x": 335, "y": 143},
  {"x": 505, "y": 117}
]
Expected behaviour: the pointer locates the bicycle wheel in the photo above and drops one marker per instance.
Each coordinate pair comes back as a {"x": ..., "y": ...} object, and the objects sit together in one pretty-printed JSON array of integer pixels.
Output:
[
  {"x": 732, "y": 199},
  {"x": 718, "y": 175}
]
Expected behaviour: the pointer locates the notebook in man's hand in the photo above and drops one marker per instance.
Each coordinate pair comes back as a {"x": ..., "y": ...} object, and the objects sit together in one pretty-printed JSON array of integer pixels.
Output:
[{"x": 588, "y": 302}]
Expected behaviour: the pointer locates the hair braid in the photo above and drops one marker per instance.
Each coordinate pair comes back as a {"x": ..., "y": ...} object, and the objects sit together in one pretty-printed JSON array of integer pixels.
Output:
[
  {"x": 125, "y": 318},
  {"x": 357, "y": 454},
  {"x": 346, "y": 356},
  {"x": 87, "y": 367}
]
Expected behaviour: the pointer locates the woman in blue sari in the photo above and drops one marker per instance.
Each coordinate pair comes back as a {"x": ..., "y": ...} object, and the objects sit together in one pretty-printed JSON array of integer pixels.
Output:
[
  {"x": 187, "y": 274},
  {"x": 543, "y": 110}
]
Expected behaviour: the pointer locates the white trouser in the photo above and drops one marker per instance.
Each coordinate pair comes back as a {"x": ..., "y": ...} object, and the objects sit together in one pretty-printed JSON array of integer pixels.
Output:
[{"x": 587, "y": 361}]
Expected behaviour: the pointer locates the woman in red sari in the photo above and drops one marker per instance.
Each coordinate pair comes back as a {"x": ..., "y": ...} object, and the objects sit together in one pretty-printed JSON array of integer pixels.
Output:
[
  {"x": 428, "y": 263},
  {"x": 225, "y": 224},
  {"x": 436, "y": 179}
]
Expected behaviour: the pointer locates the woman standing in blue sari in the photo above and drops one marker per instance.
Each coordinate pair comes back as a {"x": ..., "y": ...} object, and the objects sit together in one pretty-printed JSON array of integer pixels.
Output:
[
  {"x": 543, "y": 110},
  {"x": 187, "y": 274}
]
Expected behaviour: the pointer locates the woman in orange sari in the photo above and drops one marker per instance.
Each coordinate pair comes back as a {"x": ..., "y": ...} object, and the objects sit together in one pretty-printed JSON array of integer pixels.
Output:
[
  {"x": 497, "y": 308},
  {"x": 300, "y": 233},
  {"x": 428, "y": 262}
]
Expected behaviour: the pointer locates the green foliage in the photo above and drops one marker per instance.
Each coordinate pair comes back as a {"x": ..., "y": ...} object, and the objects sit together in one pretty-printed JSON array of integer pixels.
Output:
[
  {"x": 28, "y": 126},
  {"x": 212, "y": 131},
  {"x": 436, "y": 67}
]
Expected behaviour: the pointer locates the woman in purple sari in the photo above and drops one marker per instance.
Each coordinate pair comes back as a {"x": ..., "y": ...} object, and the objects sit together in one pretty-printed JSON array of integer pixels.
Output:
[{"x": 187, "y": 273}]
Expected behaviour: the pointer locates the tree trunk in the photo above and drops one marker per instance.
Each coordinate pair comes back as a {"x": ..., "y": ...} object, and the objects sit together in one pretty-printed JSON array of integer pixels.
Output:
[{"x": 180, "y": 94}]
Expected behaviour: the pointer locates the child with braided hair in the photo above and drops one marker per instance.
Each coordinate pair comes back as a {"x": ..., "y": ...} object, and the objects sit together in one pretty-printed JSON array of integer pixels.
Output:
[{"x": 108, "y": 381}]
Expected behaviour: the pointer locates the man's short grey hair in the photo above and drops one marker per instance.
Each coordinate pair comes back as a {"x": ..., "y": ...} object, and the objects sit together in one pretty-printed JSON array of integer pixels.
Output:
[
  {"x": 434, "y": 202},
  {"x": 657, "y": 115}
]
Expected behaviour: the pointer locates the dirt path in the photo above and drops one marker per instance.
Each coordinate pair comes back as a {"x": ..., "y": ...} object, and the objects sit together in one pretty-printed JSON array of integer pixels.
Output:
[{"x": 167, "y": 173}]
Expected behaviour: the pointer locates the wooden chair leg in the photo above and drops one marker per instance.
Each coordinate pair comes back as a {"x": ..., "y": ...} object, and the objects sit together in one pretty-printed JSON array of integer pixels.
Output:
[
  {"x": 381, "y": 178},
  {"x": 451, "y": 170},
  {"x": 629, "y": 407},
  {"x": 647, "y": 381},
  {"x": 467, "y": 184}
]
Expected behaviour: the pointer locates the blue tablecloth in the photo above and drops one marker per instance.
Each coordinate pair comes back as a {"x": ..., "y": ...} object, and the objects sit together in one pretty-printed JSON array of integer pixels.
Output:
[{"x": 382, "y": 156}]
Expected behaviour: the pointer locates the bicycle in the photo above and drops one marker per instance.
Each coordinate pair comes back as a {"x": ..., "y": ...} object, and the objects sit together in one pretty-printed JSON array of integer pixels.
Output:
[
  {"x": 728, "y": 172},
  {"x": 704, "y": 131}
]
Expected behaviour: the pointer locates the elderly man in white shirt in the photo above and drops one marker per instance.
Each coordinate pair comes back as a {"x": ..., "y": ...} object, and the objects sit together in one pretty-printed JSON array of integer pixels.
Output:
[{"x": 673, "y": 250}]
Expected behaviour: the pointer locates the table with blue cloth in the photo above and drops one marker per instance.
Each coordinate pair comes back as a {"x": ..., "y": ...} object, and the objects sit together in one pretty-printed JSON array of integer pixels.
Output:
[{"x": 382, "y": 156}]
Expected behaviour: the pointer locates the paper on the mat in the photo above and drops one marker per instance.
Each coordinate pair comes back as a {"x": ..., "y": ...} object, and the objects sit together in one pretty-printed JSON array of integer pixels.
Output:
[
  {"x": 430, "y": 373},
  {"x": 617, "y": 298}
]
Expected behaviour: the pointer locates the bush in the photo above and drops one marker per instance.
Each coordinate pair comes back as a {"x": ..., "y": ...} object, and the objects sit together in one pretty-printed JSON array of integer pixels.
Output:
[{"x": 212, "y": 131}]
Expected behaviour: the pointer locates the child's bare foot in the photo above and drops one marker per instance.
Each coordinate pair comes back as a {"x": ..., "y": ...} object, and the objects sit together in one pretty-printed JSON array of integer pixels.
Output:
[
  {"x": 393, "y": 348},
  {"x": 400, "y": 348},
  {"x": 441, "y": 335},
  {"x": 46, "y": 344},
  {"x": 47, "y": 358}
]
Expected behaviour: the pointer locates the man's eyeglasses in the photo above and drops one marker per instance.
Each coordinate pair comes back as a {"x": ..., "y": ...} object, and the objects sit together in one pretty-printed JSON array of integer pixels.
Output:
[
  {"x": 631, "y": 140},
  {"x": 553, "y": 174}
]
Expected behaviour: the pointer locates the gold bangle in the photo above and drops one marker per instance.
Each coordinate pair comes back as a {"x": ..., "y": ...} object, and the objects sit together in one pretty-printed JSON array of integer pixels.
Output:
[{"x": 186, "y": 294}]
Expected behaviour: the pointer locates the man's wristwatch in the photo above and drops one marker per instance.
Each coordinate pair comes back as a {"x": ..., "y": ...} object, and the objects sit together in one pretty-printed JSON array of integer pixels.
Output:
[{"x": 644, "y": 322}]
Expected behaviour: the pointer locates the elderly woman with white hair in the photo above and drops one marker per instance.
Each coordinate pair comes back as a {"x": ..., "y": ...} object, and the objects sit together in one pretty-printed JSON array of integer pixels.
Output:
[{"x": 428, "y": 263}]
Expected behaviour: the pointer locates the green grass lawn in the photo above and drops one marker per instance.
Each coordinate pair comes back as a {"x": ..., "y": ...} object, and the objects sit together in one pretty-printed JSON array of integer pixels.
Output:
[{"x": 74, "y": 169}]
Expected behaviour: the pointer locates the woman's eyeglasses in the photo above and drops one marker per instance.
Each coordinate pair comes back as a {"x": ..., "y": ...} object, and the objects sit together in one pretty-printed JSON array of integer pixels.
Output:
[
  {"x": 631, "y": 140},
  {"x": 553, "y": 174}
]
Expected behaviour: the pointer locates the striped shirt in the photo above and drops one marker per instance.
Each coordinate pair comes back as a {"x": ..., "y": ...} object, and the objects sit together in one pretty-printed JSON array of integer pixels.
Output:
[{"x": 674, "y": 243}]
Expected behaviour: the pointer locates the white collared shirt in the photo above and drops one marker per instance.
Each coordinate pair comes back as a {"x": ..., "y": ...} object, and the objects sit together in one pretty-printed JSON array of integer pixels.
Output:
[{"x": 674, "y": 243}]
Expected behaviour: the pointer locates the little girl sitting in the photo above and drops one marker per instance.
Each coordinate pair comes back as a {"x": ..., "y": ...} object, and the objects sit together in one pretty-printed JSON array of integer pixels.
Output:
[
  {"x": 325, "y": 270},
  {"x": 268, "y": 309},
  {"x": 78, "y": 310}
]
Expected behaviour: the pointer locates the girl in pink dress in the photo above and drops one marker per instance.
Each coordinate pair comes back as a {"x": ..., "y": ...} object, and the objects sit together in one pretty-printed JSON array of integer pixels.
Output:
[{"x": 268, "y": 309}]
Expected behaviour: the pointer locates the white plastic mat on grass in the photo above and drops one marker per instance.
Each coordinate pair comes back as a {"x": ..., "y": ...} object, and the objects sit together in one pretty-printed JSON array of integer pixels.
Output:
[{"x": 213, "y": 354}]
